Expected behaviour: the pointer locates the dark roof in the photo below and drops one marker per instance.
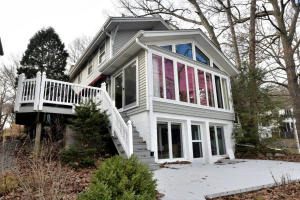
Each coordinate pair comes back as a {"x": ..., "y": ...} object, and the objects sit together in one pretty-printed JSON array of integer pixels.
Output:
[{"x": 1, "y": 49}]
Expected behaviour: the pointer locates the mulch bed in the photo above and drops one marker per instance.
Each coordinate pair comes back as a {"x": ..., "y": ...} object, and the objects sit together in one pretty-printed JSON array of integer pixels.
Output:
[
  {"x": 289, "y": 191},
  {"x": 287, "y": 158}
]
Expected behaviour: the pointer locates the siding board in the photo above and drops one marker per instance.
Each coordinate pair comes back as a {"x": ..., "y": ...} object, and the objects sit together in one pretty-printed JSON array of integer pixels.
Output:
[{"x": 164, "y": 107}]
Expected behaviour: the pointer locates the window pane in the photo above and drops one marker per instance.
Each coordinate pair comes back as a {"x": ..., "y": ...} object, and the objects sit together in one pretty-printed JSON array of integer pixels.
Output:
[
  {"x": 192, "y": 85},
  {"x": 219, "y": 92},
  {"x": 169, "y": 76},
  {"x": 225, "y": 93},
  {"x": 162, "y": 140},
  {"x": 210, "y": 90},
  {"x": 196, "y": 134},
  {"x": 221, "y": 141},
  {"x": 197, "y": 150},
  {"x": 185, "y": 50},
  {"x": 202, "y": 90},
  {"x": 201, "y": 57},
  {"x": 119, "y": 90},
  {"x": 130, "y": 84},
  {"x": 158, "y": 89},
  {"x": 182, "y": 82},
  {"x": 176, "y": 141},
  {"x": 213, "y": 141},
  {"x": 167, "y": 47}
]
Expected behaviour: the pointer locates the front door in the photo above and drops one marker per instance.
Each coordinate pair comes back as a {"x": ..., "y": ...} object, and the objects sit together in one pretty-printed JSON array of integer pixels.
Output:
[{"x": 126, "y": 87}]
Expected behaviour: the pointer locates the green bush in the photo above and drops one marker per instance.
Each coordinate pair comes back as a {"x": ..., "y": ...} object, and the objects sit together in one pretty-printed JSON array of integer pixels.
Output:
[
  {"x": 7, "y": 184},
  {"x": 121, "y": 179},
  {"x": 78, "y": 158}
]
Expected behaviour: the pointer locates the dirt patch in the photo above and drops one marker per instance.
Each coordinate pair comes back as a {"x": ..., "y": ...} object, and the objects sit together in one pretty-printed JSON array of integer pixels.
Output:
[
  {"x": 165, "y": 165},
  {"x": 283, "y": 192}
]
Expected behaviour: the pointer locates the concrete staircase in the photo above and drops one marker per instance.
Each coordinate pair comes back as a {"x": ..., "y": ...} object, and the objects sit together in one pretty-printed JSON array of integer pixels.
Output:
[{"x": 139, "y": 147}]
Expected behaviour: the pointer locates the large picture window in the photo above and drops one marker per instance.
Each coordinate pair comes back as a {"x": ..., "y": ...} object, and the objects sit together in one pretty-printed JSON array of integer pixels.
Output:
[
  {"x": 192, "y": 85},
  {"x": 158, "y": 89},
  {"x": 202, "y": 89},
  {"x": 210, "y": 90},
  {"x": 169, "y": 77},
  {"x": 185, "y": 50},
  {"x": 182, "y": 82}
]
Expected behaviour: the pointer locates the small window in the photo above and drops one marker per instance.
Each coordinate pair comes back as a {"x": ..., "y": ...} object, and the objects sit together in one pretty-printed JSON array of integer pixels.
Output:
[
  {"x": 167, "y": 47},
  {"x": 102, "y": 54},
  {"x": 201, "y": 57},
  {"x": 79, "y": 78},
  {"x": 90, "y": 69},
  {"x": 185, "y": 50}
]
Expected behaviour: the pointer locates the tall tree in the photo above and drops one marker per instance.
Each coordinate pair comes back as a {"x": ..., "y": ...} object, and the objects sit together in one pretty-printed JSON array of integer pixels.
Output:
[
  {"x": 283, "y": 48},
  {"x": 45, "y": 53},
  {"x": 77, "y": 47}
]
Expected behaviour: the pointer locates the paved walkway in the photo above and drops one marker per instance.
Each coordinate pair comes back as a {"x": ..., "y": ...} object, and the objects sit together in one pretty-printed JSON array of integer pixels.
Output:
[
  {"x": 9, "y": 158},
  {"x": 195, "y": 181}
]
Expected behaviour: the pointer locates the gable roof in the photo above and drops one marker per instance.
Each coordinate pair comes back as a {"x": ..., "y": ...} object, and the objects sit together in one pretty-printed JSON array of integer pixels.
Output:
[{"x": 125, "y": 23}]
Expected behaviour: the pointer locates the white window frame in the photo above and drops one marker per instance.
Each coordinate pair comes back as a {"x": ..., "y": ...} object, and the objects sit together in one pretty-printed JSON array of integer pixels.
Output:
[
  {"x": 102, "y": 53},
  {"x": 196, "y": 67},
  {"x": 216, "y": 138},
  {"x": 122, "y": 70},
  {"x": 201, "y": 140}
]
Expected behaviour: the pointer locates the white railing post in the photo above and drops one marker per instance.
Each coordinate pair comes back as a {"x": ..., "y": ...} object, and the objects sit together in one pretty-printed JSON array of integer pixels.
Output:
[
  {"x": 130, "y": 139},
  {"x": 37, "y": 91},
  {"x": 103, "y": 86},
  {"x": 41, "y": 101},
  {"x": 19, "y": 92}
]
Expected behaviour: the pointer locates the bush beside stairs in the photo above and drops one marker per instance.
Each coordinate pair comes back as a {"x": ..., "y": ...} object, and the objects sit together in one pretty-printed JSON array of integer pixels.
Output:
[{"x": 139, "y": 147}]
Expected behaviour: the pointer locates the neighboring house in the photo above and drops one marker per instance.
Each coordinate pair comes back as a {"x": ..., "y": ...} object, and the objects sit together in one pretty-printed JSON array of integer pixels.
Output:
[
  {"x": 288, "y": 123},
  {"x": 173, "y": 85}
]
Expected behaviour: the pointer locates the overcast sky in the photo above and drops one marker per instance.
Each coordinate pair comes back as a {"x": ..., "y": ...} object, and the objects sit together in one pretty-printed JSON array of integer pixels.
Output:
[{"x": 21, "y": 19}]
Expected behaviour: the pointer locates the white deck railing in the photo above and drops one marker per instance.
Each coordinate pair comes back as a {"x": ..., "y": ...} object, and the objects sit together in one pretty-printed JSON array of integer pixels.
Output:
[{"x": 40, "y": 91}]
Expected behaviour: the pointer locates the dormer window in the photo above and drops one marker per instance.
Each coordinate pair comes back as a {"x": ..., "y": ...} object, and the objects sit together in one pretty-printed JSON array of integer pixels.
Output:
[
  {"x": 201, "y": 57},
  {"x": 185, "y": 50},
  {"x": 102, "y": 54}
]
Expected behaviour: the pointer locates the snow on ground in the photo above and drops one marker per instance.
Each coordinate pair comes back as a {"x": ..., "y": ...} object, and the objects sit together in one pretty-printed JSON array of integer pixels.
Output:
[{"x": 195, "y": 181}]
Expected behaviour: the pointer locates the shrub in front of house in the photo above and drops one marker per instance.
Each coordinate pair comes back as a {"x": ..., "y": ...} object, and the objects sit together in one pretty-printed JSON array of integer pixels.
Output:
[
  {"x": 121, "y": 179},
  {"x": 92, "y": 136}
]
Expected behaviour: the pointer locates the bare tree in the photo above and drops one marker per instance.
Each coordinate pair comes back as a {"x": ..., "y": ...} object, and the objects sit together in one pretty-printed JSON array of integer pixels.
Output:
[
  {"x": 282, "y": 47},
  {"x": 77, "y": 47}
]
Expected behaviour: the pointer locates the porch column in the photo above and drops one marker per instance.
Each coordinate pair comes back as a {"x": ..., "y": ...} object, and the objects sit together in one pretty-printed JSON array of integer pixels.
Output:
[
  {"x": 37, "y": 141},
  {"x": 207, "y": 144},
  {"x": 229, "y": 143},
  {"x": 189, "y": 149}
]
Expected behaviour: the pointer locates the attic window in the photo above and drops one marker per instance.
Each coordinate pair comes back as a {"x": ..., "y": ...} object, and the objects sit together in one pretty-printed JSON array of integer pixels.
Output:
[
  {"x": 167, "y": 47},
  {"x": 201, "y": 57},
  {"x": 102, "y": 53},
  {"x": 185, "y": 50}
]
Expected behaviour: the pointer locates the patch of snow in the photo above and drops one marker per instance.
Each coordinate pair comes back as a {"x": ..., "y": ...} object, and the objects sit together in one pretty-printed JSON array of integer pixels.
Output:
[{"x": 196, "y": 180}]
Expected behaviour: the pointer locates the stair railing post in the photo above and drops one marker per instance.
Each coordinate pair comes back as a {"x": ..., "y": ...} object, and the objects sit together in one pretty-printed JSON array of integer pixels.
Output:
[
  {"x": 103, "y": 86},
  {"x": 130, "y": 139},
  {"x": 43, "y": 81},
  {"x": 37, "y": 91},
  {"x": 19, "y": 92}
]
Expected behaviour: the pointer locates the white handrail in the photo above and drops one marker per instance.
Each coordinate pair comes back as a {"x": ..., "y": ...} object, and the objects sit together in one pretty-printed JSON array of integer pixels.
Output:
[{"x": 40, "y": 90}]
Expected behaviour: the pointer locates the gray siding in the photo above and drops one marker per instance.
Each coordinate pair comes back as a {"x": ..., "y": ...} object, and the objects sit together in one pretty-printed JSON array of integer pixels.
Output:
[
  {"x": 122, "y": 38},
  {"x": 170, "y": 108},
  {"x": 142, "y": 85}
]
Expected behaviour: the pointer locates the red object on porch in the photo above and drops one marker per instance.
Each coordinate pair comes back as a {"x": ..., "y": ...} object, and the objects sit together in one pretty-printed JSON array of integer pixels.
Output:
[{"x": 96, "y": 79}]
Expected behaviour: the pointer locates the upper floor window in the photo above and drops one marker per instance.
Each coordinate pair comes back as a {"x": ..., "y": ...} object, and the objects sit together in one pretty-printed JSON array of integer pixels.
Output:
[
  {"x": 201, "y": 57},
  {"x": 90, "y": 69},
  {"x": 185, "y": 50},
  {"x": 167, "y": 47},
  {"x": 79, "y": 78},
  {"x": 102, "y": 53}
]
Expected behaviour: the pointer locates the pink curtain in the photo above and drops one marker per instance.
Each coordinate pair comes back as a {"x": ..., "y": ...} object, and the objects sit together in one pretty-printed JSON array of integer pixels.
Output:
[
  {"x": 192, "y": 85},
  {"x": 182, "y": 82},
  {"x": 210, "y": 90},
  {"x": 169, "y": 76},
  {"x": 202, "y": 89},
  {"x": 158, "y": 88}
]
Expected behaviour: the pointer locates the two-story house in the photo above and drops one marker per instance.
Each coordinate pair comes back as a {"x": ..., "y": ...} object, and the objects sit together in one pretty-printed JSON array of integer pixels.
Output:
[{"x": 174, "y": 85}]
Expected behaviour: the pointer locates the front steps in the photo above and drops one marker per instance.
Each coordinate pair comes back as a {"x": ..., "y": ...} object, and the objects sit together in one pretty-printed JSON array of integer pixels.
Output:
[{"x": 139, "y": 147}]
